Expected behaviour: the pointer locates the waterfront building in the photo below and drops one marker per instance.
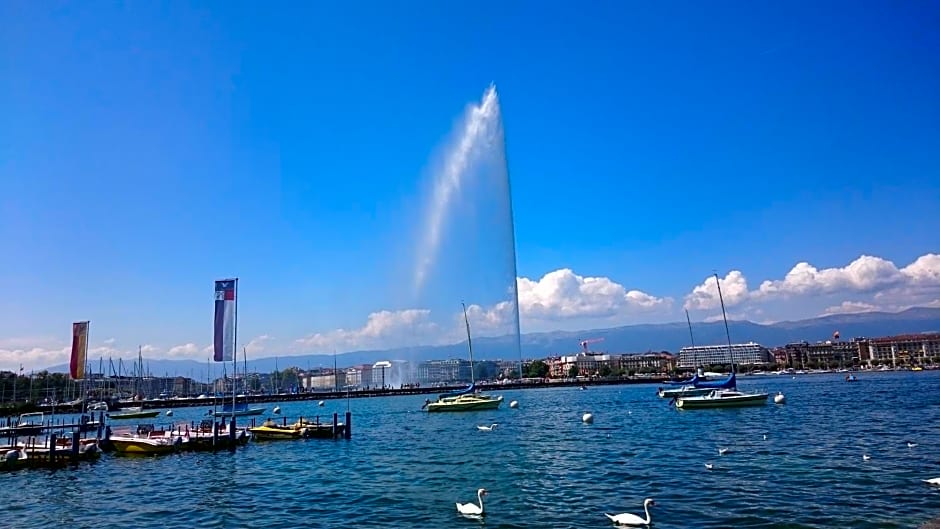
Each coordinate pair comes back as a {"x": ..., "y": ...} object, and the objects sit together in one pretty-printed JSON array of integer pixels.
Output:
[
  {"x": 828, "y": 354},
  {"x": 904, "y": 349},
  {"x": 663, "y": 362},
  {"x": 706, "y": 355},
  {"x": 443, "y": 371}
]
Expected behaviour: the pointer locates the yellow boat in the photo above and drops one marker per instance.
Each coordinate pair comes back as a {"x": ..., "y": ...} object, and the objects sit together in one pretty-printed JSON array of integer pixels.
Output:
[{"x": 270, "y": 431}]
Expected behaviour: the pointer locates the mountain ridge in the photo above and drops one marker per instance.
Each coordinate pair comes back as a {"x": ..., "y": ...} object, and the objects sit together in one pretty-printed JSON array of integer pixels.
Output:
[{"x": 627, "y": 339}]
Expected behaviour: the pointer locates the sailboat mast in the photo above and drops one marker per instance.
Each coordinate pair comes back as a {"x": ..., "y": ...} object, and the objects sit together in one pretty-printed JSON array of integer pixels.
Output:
[
  {"x": 469, "y": 343},
  {"x": 725, "y": 317},
  {"x": 691, "y": 337}
]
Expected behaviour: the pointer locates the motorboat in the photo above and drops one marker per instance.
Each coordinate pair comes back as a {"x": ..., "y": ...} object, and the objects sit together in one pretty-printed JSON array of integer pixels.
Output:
[
  {"x": 134, "y": 412},
  {"x": 148, "y": 441},
  {"x": 684, "y": 391}
]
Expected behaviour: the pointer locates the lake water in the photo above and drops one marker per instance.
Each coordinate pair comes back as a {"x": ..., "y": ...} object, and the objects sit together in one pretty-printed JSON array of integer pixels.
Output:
[{"x": 544, "y": 468}]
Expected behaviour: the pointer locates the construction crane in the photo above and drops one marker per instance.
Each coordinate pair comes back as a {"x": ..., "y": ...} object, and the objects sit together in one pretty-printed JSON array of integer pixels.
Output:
[{"x": 585, "y": 343}]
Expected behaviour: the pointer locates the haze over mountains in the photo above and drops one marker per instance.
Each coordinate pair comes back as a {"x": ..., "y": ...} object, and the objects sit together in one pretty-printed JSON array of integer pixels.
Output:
[{"x": 626, "y": 339}]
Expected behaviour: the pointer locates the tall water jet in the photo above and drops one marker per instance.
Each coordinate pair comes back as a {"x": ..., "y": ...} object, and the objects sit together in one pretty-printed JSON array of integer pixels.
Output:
[{"x": 470, "y": 201}]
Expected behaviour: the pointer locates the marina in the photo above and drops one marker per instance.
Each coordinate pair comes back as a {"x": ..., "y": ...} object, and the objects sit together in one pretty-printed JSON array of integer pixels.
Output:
[{"x": 540, "y": 457}]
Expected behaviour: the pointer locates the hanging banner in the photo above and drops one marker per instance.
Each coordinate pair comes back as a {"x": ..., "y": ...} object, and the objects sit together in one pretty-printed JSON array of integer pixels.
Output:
[
  {"x": 224, "y": 343},
  {"x": 79, "y": 349}
]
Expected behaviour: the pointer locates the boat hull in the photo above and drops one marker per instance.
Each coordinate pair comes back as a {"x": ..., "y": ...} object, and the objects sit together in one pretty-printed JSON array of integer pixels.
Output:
[
  {"x": 737, "y": 400},
  {"x": 134, "y": 415},
  {"x": 142, "y": 446},
  {"x": 683, "y": 392}
]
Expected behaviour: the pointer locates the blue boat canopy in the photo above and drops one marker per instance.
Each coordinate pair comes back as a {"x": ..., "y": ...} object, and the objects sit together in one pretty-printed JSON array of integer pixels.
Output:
[
  {"x": 729, "y": 382},
  {"x": 456, "y": 393}
]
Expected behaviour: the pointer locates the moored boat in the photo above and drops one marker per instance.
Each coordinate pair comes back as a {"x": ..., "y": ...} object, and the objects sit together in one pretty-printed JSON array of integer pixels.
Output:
[
  {"x": 466, "y": 402},
  {"x": 135, "y": 412},
  {"x": 722, "y": 398},
  {"x": 467, "y": 399}
]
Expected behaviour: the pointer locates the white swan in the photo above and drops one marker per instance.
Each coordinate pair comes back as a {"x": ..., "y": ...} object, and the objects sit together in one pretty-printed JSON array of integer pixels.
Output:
[
  {"x": 866, "y": 457},
  {"x": 487, "y": 428},
  {"x": 709, "y": 466},
  {"x": 722, "y": 451},
  {"x": 632, "y": 519},
  {"x": 933, "y": 482},
  {"x": 473, "y": 508},
  {"x": 911, "y": 445}
]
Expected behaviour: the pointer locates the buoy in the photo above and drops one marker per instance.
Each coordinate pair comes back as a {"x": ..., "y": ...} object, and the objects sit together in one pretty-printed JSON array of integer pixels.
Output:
[
  {"x": 587, "y": 418},
  {"x": 169, "y": 413},
  {"x": 277, "y": 409},
  {"x": 320, "y": 403},
  {"x": 779, "y": 398},
  {"x": 514, "y": 404}
]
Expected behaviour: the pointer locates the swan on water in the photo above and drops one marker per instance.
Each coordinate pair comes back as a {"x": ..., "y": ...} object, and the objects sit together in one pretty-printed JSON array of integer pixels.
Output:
[
  {"x": 911, "y": 445},
  {"x": 722, "y": 451},
  {"x": 765, "y": 437},
  {"x": 866, "y": 457},
  {"x": 779, "y": 398},
  {"x": 473, "y": 508},
  {"x": 933, "y": 482},
  {"x": 587, "y": 418},
  {"x": 487, "y": 428},
  {"x": 709, "y": 466},
  {"x": 632, "y": 519}
]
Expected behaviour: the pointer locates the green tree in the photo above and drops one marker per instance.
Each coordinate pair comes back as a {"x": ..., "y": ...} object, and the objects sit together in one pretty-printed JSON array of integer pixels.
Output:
[
  {"x": 604, "y": 371},
  {"x": 537, "y": 369},
  {"x": 573, "y": 371}
]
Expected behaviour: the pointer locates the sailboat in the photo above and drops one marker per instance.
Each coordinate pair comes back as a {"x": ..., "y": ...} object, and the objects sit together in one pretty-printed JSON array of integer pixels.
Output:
[
  {"x": 240, "y": 409},
  {"x": 722, "y": 397},
  {"x": 466, "y": 399}
]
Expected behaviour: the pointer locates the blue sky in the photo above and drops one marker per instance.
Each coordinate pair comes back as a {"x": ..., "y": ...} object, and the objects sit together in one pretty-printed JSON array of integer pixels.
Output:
[{"x": 147, "y": 149}]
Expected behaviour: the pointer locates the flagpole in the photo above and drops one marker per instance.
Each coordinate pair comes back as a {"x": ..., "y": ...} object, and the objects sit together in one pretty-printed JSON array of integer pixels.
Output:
[
  {"x": 85, "y": 374},
  {"x": 234, "y": 365}
]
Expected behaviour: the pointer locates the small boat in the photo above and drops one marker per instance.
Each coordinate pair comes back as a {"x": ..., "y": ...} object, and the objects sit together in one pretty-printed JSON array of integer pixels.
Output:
[
  {"x": 466, "y": 402},
  {"x": 135, "y": 412},
  {"x": 270, "y": 431},
  {"x": 851, "y": 378},
  {"x": 722, "y": 398},
  {"x": 148, "y": 441},
  {"x": 241, "y": 410}
]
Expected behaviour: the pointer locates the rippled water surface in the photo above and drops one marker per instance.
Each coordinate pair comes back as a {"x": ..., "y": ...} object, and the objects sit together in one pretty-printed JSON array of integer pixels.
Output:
[{"x": 543, "y": 467}]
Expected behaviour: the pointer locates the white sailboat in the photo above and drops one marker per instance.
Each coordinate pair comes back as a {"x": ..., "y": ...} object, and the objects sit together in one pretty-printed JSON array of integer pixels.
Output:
[
  {"x": 722, "y": 398},
  {"x": 466, "y": 399}
]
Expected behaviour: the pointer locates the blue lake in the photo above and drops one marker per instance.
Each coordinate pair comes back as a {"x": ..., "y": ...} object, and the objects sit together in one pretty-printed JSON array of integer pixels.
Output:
[{"x": 543, "y": 467}]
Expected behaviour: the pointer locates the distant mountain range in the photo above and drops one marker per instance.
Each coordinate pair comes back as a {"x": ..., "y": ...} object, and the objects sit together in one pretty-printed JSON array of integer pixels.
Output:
[{"x": 627, "y": 339}]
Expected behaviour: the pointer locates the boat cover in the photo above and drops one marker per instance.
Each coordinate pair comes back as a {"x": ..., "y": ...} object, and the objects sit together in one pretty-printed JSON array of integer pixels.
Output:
[
  {"x": 468, "y": 389},
  {"x": 727, "y": 383}
]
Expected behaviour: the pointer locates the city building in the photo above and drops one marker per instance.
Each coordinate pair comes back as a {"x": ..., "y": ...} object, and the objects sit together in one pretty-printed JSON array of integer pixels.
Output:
[
  {"x": 663, "y": 362},
  {"x": 828, "y": 354},
  {"x": 707, "y": 355},
  {"x": 443, "y": 371},
  {"x": 904, "y": 349}
]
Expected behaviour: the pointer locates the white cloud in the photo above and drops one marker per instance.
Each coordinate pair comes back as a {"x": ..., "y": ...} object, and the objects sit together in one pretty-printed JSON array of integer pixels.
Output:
[
  {"x": 109, "y": 341},
  {"x": 564, "y": 294},
  {"x": 865, "y": 274},
  {"x": 187, "y": 350},
  {"x": 383, "y": 329},
  {"x": 258, "y": 344},
  {"x": 849, "y": 307},
  {"x": 883, "y": 285},
  {"x": 705, "y": 296},
  {"x": 32, "y": 358}
]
